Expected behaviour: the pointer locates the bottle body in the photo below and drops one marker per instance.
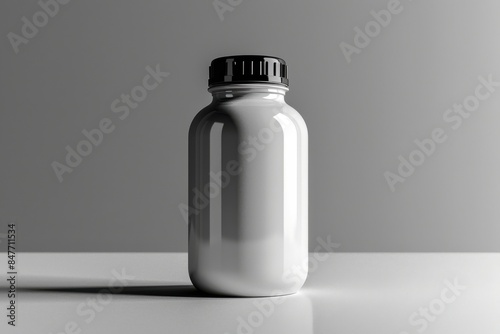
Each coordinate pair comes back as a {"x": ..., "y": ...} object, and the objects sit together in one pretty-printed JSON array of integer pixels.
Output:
[{"x": 248, "y": 204}]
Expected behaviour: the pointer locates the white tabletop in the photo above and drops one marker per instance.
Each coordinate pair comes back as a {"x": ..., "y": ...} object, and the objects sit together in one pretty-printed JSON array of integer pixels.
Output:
[{"x": 389, "y": 293}]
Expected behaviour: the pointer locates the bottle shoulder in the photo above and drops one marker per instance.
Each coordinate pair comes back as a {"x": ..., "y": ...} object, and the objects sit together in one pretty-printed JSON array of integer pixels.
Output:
[
  {"x": 238, "y": 111},
  {"x": 248, "y": 121}
]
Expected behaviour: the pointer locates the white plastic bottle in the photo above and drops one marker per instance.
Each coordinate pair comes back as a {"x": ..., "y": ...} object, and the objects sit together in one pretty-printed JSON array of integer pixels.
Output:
[{"x": 248, "y": 183}]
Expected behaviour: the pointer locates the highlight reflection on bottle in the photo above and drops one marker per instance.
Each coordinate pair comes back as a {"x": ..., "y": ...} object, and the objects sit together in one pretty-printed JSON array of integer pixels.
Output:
[{"x": 248, "y": 183}]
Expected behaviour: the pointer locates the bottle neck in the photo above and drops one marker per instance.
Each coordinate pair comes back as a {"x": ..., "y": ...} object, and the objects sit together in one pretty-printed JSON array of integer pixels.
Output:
[{"x": 251, "y": 90}]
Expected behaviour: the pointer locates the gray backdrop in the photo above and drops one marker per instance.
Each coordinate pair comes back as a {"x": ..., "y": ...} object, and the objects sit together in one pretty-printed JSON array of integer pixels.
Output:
[{"x": 366, "y": 98}]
